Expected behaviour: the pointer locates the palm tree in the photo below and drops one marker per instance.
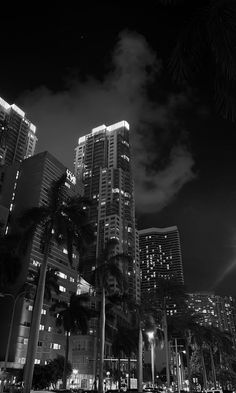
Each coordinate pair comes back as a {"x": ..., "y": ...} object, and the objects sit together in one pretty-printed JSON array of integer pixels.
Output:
[
  {"x": 124, "y": 342},
  {"x": 142, "y": 319},
  {"x": 73, "y": 317},
  {"x": 107, "y": 268},
  {"x": 51, "y": 283},
  {"x": 11, "y": 265},
  {"x": 182, "y": 326},
  {"x": 207, "y": 37},
  {"x": 168, "y": 295},
  {"x": 64, "y": 221}
]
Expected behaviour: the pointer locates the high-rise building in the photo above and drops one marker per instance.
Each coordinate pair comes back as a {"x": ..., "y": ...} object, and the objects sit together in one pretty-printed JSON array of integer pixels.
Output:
[
  {"x": 103, "y": 162},
  {"x": 24, "y": 186},
  {"x": 214, "y": 310},
  {"x": 160, "y": 257},
  {"x": 17, "y": 134}
]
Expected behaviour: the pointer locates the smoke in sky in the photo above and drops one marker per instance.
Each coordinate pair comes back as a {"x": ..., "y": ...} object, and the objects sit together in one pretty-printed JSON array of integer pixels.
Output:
[{"x": 162, "y": 161}]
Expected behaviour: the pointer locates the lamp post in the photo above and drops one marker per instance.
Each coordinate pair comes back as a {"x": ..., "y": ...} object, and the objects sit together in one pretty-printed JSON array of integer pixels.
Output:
[
  {"x": 75, "y": 372},
  {"x": 10, "y": 328},
  {"x": 151, "y": 341}
]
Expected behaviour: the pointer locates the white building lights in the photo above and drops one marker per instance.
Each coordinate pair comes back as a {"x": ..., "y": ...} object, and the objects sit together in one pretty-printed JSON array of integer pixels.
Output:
[
  {"x": 4, "y": 104},
  {"x": 70, "y": 176},
  {"x": 120, "y": 124},
  {"x": 32, "y": 128},
  {"x": 98, "y": 129},
  {"x": 18, "y": 110}
]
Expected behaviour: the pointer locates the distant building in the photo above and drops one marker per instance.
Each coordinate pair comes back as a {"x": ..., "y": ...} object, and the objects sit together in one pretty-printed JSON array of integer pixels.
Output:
[
  {"x": 103, "y": 163},
  {"x": 24, "y": 186},
  {"x": 160, "y": 256},
  {"x": 214, "y": 310},
  {"x": 17, "y": 134}
]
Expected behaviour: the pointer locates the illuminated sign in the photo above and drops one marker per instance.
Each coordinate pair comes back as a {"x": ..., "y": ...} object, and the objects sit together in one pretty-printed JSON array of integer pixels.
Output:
[{"x": 70, "y": 176}]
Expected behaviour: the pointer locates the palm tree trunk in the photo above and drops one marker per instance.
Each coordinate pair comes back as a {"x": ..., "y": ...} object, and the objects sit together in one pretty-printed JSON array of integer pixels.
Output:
[
  {"x": 102, "y": 340},
  {"x": 204, "y": 374},
  {"x": 140, "y": 361},
  {"x": 64, "y": 377},
  {"x": 166, "y": 349},
  {"x": 213, "y": 367},
  {"x": 119, "y": 374},
  {"x": 95, "y": 357},
  {"x": 188, "y": 365},
  {"x": 129, "y": 372},
  {"x": 35, "y": 322}
]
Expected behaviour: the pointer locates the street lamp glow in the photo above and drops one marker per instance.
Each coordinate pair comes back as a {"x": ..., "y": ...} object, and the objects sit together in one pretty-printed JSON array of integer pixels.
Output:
[{"x": 150, "y": 335}]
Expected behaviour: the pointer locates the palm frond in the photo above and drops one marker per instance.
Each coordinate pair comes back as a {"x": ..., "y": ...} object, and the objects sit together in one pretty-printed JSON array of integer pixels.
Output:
[
  {"x": 225, "y": 97},
  {"x": 57, "y": 192},
  {"x": 33, "y": 216},
  {"x": 186, "y": 58},
  {"x": 221, "y": 30}
]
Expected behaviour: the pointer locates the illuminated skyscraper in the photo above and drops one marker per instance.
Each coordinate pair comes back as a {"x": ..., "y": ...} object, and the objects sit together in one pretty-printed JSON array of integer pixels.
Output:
[
  {"x": 23, "y": 186},
  {"x": 17, "y": 134},
  {"x": 160, "y": 257},
  {"x": 103, "y": 163}
]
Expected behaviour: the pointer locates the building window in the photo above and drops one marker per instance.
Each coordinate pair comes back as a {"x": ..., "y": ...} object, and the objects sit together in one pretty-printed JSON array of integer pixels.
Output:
[{"x": 55, "y": 346}]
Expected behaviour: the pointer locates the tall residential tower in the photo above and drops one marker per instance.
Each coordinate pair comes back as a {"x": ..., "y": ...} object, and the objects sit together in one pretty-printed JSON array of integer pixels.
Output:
[
  {"x": 103, "y": 162},
  {"x": 17, "y": 134}
]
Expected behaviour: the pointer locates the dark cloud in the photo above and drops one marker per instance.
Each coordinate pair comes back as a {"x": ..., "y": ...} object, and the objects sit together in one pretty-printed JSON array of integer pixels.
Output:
[{"x": 63, "y": 117}]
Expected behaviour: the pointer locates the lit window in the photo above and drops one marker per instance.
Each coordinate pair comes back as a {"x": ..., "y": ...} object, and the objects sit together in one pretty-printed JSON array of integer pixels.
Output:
[
  {"x": 37, "y": 361},
  {"x": 36, "y": 263},
  {"x": 62, "y": 289},
  {"x": 43, "y": 311},
  {"x": 55, "y": 346},
  {"x": 41, "y": 327},
  {"x": 61, "y": 275}
]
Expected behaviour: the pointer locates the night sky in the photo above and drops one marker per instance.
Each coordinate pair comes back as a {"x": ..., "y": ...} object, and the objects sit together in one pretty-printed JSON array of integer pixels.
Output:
[{"x": 72, "y": 70}]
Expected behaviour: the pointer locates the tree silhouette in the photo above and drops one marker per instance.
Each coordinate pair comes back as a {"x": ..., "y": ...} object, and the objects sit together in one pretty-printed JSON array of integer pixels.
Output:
[
  {"x": 64, "y": 221},
  {"x": 73, "y": 317}
]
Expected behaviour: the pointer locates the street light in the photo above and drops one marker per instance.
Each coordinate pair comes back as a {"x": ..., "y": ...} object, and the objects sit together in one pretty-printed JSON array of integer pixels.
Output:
[
  {"x": 10, "y": 328},
  {"x": 151, "y": 340},
  {"x": 75, "y": 372}
]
